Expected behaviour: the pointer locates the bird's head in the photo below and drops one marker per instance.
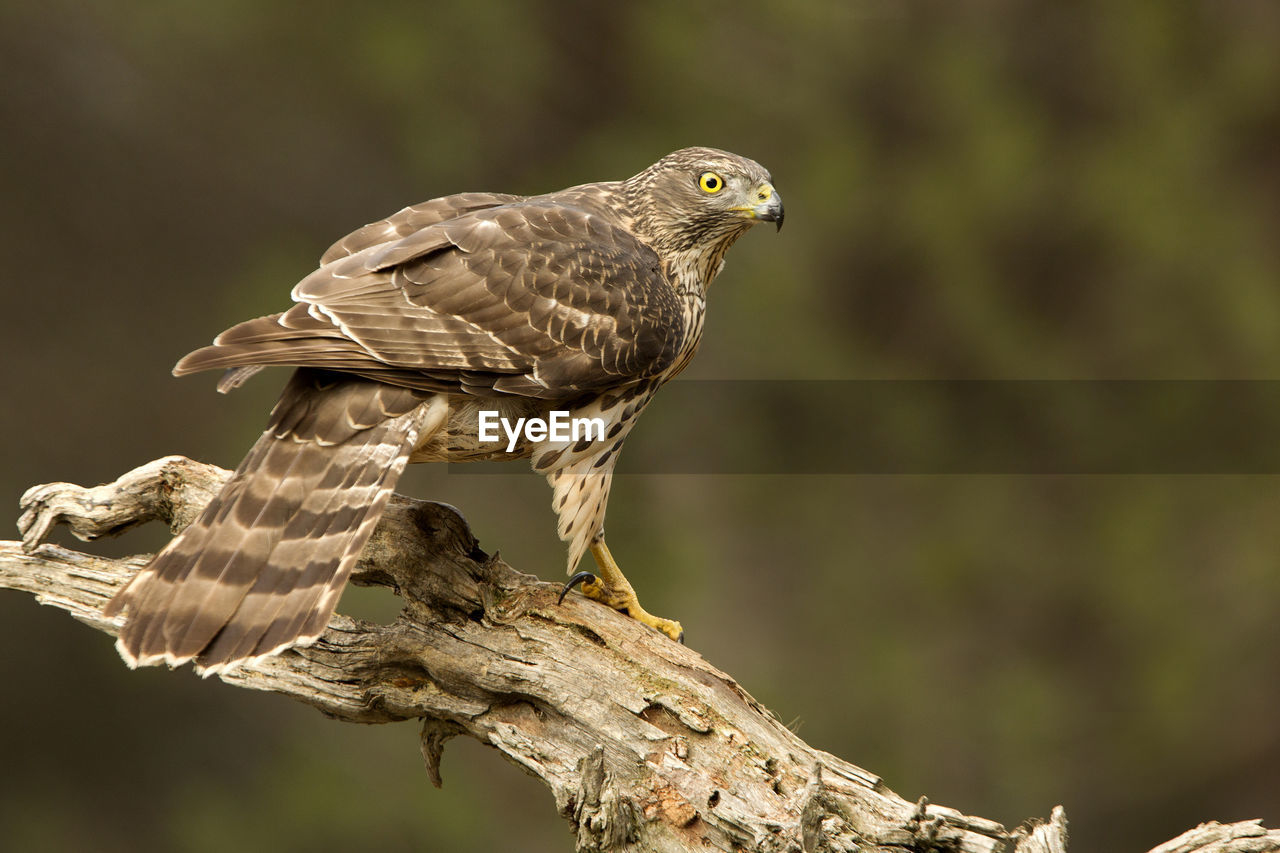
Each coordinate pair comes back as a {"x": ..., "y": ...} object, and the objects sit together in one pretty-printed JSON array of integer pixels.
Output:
[{"x": 702, "y": 198}]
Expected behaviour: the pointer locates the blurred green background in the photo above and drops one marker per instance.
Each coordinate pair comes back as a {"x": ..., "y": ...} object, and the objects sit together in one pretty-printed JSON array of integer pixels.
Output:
[{"x": 996, "y": 190}]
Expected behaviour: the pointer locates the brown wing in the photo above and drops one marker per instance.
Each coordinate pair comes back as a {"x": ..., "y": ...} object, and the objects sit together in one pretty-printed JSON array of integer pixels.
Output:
[
  {"x": 411, "y": 219},
  {"x": 534, "y": 298}
]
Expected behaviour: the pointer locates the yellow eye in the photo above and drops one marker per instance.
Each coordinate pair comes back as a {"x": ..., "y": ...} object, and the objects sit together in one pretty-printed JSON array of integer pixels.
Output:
[{"x": 710, "y": 182}]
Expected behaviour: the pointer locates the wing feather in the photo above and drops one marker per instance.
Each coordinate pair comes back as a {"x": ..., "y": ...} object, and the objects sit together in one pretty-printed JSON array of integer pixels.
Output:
[
  {"x": 411, "y": 219},
  {"x": 532, "y": 297}
]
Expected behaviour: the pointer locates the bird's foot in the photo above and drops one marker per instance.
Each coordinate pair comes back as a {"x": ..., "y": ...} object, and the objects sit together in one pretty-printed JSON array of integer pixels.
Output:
[{"x": 622, "y": 597}]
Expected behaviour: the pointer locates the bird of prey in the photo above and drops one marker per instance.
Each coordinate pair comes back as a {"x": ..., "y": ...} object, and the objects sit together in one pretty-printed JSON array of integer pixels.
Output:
[{"x": 583, "y": 301}]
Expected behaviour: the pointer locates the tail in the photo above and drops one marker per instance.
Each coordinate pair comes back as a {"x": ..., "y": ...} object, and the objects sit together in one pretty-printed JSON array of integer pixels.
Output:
[{"x": 263, "y": 566}]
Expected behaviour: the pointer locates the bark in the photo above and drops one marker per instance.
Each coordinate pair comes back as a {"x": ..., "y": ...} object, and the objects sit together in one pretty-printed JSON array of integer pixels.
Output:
[{"x": 644, "y": 744}]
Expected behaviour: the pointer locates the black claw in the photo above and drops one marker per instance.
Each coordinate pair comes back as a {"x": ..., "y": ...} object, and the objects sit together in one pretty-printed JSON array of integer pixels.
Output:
[
  {"x": 580, "y": 577},
  {"x": 680, "y": 639}
]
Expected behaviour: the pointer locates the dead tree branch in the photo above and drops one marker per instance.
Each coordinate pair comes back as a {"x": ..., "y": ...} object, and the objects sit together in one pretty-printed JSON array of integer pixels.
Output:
[{"x": 645, "y": 745}]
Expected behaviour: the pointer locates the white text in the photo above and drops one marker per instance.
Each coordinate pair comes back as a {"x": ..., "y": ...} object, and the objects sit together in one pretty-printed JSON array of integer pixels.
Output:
[{"x": 558, "y": 426}]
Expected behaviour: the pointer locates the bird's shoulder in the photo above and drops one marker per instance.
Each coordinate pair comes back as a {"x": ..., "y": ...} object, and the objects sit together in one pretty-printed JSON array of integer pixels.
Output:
[
  {"x": 580, "y": 214},
  {"x": 412, "y": 219},
  {"x": 574, "y": 245}
]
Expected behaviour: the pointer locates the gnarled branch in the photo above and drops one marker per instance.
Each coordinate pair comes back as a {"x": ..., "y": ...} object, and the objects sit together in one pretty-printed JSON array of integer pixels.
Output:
[{"x": 644, "y": 744}]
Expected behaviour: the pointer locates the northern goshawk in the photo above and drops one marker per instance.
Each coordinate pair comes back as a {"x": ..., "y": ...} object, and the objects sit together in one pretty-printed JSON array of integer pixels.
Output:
[{"x": 583, "y": 301}]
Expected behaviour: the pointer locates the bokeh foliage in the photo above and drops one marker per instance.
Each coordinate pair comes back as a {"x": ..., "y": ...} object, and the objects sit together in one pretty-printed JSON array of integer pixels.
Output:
[{"x": 975, "y": 190}]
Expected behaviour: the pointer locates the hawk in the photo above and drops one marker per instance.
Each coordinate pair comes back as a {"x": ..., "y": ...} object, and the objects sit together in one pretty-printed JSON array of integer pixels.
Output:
[{"x": 583, "y": 301}]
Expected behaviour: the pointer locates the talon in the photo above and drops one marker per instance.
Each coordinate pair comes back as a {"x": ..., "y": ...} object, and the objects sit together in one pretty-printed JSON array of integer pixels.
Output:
[
  {"x": 580, "y": 577},
  {"x": 612, "y": 589}
]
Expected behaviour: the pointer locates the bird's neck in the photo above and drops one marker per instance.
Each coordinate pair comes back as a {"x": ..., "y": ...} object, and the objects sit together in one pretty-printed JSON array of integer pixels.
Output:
[{"x": 693, "y": 269}]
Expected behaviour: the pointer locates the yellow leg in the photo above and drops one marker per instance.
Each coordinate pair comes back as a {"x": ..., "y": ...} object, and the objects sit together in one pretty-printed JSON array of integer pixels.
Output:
[{"x": 613, "y": 588}]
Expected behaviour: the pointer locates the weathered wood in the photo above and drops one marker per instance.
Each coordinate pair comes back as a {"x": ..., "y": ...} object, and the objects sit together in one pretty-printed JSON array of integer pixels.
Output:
[
  {"x": 644, "y": 744},
  {"x": 1214, "y": 837}
]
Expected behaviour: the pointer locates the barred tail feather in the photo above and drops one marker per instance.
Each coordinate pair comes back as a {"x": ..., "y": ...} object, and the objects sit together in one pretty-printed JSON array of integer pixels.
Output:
[{"x": 252, "y": 574}]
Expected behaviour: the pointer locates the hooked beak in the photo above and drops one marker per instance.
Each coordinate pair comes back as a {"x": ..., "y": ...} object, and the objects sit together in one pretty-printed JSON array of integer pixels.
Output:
[{"x": 767, "y": 207}]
